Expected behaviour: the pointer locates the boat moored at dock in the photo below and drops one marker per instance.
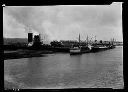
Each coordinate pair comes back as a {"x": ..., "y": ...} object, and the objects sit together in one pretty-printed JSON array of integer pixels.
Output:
[
  {"x": 75, "y": 50},
  {"x": 79, "y": 49},
  {"x": 98, "y": 48}
]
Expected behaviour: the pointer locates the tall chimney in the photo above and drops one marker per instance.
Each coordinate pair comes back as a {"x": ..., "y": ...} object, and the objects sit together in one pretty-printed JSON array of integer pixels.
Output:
[{"x": 30, "y": 37}]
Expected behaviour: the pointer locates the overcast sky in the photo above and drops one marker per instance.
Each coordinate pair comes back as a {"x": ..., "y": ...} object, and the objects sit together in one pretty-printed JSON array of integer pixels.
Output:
[{"x": 64, "y": 22}]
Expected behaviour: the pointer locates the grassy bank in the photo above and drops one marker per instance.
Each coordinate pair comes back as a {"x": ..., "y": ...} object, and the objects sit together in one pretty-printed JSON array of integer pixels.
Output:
[{"x": 24, "y": 54}]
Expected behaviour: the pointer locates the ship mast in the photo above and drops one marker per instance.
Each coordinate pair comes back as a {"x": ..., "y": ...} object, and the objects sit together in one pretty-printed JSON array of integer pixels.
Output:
[
  {"x": 87, "y": 39},
  {"x": 95, "y": 37},
  {"x": 79, "y": 38},
  {"x": 112, "y": 41}
]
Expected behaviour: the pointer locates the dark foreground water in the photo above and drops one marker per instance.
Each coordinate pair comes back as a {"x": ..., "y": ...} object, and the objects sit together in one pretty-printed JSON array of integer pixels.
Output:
[{"x": 90, "y": 70}]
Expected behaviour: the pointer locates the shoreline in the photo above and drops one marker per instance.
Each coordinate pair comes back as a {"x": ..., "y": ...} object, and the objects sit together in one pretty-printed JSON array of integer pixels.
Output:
[{"x": 24, "y": 54}]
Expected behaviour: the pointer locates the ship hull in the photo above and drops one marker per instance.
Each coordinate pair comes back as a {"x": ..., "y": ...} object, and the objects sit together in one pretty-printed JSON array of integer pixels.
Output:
[
  {"x": 75, "y": 51},
  {"x": 85, "y": 49},
  {"x": 112, "y": 47},
  {"x": 78, "y": 53},
  {"x": 96, "y": 49},
  {"x": 80, "y": 50}
]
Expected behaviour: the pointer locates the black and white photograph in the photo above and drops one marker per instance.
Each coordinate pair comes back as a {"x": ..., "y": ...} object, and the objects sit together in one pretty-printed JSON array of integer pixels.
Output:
[{"x": 63, "y": 46}]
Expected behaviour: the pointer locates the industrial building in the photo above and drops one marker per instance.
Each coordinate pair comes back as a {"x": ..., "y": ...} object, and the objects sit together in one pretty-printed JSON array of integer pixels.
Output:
[
  {"x": 34, "y": 40},
  {"x": 30, "y": 39}
]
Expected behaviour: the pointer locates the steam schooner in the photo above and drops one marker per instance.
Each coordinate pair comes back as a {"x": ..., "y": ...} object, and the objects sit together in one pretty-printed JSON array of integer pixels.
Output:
[{"x": 79, "y": 49}]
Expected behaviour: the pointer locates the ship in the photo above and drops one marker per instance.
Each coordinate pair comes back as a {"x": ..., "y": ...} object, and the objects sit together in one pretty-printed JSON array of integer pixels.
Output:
[
  {"x": 112, "y": 45},
  {"x": 75, "y": 50},
  {"x": 99, "y": 47},
  {"x": 80, "y": 49}
]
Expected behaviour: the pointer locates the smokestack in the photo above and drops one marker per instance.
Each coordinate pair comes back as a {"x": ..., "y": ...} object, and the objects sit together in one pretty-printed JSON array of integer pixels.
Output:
[{"x": 30, "y": 37}]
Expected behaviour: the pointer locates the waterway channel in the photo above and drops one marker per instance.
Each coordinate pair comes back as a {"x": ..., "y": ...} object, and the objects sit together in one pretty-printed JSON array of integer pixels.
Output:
[{"x": 61, "y": 70}]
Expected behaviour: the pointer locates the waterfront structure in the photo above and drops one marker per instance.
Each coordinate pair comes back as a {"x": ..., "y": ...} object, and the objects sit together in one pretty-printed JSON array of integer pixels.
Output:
[
  {"x": 74, "y": 47},
  {"x": 36, "y": 42},
  {"x": 30, "y": 39},
  {"x": 36, "y": 38}
]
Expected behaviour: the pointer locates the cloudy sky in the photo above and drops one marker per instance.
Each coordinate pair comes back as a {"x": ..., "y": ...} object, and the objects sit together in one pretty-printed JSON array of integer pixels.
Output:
[{"x": 64, "y": 22}]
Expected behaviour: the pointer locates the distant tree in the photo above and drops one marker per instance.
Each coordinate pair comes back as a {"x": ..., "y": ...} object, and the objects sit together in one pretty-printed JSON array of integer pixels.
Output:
[
  {"x": 56, "y": 44},
  {"x": 100, "y": 41}
]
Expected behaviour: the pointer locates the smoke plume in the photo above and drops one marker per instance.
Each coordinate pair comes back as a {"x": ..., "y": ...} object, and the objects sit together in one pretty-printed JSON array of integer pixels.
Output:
[
  {"x": 65, "y": 22},
  {"x": 29, "y": 17}
]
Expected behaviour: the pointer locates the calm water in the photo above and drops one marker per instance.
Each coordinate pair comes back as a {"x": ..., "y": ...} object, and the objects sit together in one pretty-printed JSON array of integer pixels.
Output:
[{"x": 60, "y": 70}]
